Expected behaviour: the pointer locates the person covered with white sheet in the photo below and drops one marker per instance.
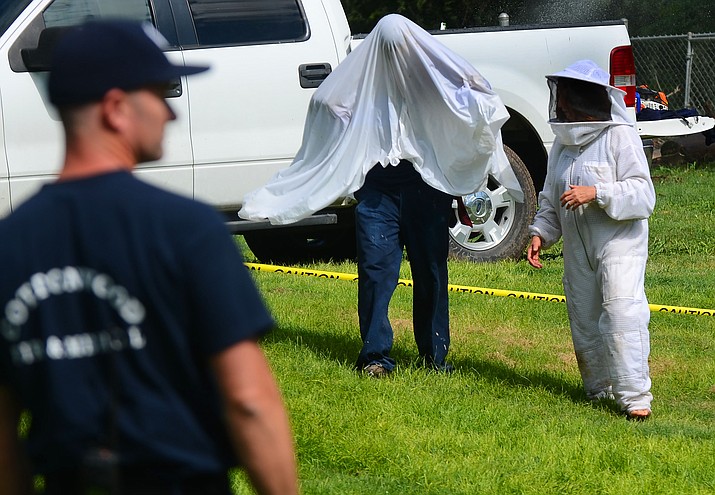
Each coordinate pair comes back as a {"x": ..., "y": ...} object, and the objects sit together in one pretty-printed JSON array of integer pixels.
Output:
[
  {"x": 405, "y": 125},
  {"x": 597, "y": 196}
]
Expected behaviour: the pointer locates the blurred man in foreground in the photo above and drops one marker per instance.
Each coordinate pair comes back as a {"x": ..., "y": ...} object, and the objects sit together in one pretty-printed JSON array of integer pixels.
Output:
[{"x": 128, "y": 323}]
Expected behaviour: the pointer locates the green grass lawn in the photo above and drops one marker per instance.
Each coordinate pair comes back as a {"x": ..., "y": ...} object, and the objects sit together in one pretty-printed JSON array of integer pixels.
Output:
[{"x": 513, "y": 418}]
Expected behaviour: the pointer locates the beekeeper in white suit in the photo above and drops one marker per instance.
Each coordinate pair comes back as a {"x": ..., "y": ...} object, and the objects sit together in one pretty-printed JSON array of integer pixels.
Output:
[
  {"x": 598, "y": 196},
  {"x": 404, "y": 124}
]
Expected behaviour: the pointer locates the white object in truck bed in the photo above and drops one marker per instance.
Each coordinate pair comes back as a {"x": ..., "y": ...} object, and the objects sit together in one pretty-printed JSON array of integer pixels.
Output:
[{"x": 674, "y": 127}]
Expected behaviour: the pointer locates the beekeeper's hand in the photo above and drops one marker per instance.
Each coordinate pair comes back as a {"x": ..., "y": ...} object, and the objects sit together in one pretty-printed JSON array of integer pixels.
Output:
[
  {"x": 578, "y": 196},
  {"x": 532, "y": 254}
]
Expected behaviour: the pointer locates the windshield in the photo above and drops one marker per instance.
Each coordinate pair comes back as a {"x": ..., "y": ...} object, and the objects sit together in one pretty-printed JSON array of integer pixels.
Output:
[{"x": 9, "y": 10}]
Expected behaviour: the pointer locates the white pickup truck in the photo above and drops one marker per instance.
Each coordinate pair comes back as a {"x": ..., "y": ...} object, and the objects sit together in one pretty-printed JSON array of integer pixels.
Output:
[{"x": 243, "y": 120}]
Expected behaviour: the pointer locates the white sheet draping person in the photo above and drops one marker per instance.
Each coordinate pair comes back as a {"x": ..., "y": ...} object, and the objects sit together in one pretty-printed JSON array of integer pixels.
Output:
[{"x": 400, "y": 94}]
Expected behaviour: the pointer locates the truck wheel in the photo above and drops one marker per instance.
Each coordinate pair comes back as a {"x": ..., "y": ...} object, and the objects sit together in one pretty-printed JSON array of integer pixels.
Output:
[
  {"x": 306, "y": 245},
  {"x": 490, "y": 225}
]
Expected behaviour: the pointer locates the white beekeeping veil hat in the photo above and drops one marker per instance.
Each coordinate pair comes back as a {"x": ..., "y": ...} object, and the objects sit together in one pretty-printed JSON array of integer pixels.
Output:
[{"x": 590, "y": 72}]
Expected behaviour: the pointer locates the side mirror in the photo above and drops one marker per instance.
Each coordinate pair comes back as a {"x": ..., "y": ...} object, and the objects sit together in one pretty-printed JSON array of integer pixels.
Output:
[{"x": 38, "y": 59}]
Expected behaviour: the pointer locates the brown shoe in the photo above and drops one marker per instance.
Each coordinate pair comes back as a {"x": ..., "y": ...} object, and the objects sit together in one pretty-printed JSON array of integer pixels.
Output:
[
  {"x": 376, "y": 370},
  {"x": 638, "y": 414}
]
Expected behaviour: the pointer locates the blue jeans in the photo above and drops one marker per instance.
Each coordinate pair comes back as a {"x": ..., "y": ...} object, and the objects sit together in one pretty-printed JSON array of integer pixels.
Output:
[{"x": 397, "y": 209}]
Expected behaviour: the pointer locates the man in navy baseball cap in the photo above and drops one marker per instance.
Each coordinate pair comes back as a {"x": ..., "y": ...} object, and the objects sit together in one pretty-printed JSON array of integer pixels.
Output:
[
  {"x": 144, "y": 373},
  {"x": 97, "y": 56}
]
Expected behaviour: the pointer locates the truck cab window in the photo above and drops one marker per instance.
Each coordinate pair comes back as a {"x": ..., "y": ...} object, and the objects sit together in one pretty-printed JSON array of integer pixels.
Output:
[
  {"x": 71, "y": 12},
  {"x": 244, "y": 22},
  {"x": 31, "y": 51},
  {"x": 9, "y": 12}
]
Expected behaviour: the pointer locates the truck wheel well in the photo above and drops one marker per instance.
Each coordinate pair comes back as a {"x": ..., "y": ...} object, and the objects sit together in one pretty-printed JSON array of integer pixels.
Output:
[{"x": 519, "y": 135}]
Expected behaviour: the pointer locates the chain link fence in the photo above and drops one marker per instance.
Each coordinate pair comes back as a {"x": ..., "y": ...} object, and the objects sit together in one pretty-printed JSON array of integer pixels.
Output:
[{"x": 681, "y": 66}]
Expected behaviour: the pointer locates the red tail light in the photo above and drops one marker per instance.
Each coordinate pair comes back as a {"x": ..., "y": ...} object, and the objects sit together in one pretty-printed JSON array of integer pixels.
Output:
[{"x": 623, "y": 72}]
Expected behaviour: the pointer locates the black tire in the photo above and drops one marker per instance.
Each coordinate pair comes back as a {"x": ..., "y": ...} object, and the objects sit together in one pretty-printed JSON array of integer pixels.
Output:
[
  {"x": 288, "y": 246},
  {"x": 499, "y": 224}
]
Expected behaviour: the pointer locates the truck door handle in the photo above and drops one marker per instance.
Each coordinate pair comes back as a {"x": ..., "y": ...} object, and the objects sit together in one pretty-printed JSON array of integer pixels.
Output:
[
  {"x": 174, "y": 90},
  {"x": 311, "y": 75}
]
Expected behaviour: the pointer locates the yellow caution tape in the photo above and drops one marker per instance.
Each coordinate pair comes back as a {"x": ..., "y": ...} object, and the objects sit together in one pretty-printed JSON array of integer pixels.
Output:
[{"x": 466, "y": 289}]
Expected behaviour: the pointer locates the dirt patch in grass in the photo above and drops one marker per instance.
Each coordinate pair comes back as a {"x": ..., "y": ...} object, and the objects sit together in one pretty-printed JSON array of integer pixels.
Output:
[
  {"x": 663, "y": 365},
  {"x": 567, "y": 358},
  {"x": 401, "y": 325},
  {"x": 501, "y": 358},
  {"x": 510, "y": 336}
]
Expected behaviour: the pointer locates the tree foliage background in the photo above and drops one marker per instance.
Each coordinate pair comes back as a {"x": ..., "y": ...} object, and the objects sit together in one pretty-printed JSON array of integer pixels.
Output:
[{"x": 645, "y": 17}]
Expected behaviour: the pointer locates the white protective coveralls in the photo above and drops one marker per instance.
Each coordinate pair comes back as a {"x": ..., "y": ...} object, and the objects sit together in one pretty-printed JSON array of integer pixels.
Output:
[
  {"x": 605, "y": 243},
  {"x": 400, "y": 94}
]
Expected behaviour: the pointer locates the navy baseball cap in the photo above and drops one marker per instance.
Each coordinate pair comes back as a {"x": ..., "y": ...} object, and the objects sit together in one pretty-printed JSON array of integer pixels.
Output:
[{"x": 92, "y": 58}]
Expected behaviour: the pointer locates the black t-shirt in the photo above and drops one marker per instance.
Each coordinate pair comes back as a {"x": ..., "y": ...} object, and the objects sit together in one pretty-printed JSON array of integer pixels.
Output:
[{"x": 113, "y": 295}]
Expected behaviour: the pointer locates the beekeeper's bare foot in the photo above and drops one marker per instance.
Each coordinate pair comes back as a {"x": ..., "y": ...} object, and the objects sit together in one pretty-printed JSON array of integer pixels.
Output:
[{"x": 638, "y": 414}]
